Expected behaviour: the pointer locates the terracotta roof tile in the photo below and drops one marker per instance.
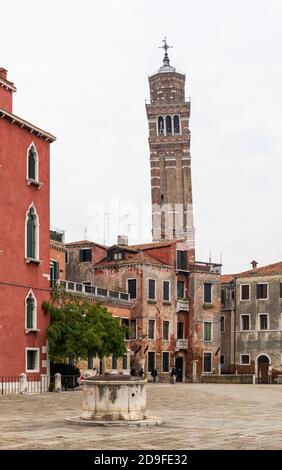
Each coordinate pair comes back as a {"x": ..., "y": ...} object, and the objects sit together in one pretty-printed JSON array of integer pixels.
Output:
[
  {"x": 226, "y": 278},
  {"x": 85, "y": 242},
  {"x": 133, "y": 258},
  {"x": 144, "y": 246},
  {"x": 275, "y": 268}
]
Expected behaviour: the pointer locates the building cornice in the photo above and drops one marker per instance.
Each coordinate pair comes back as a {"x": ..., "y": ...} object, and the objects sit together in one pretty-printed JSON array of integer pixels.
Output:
[
  {"x": 8, "y": 85},
  {"x": 13, "y": 119}
]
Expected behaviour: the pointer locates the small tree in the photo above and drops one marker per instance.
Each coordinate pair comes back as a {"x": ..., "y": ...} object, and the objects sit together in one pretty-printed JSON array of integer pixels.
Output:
[{"x": 80, "y": 328}]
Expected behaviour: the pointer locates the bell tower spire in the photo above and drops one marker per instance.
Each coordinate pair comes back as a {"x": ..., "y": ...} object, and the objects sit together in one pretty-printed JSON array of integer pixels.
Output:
[{"x": 168, "y": 116}]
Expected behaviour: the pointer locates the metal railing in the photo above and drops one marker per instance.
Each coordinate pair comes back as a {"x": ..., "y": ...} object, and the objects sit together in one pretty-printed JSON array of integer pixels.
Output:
[
  {"x": 92, "y": 291},
  {"x": 10, "y": 385}
]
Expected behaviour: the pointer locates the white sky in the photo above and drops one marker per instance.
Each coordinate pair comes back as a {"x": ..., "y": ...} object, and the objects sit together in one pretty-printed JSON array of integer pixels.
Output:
[{"x": 81, "y": 70}]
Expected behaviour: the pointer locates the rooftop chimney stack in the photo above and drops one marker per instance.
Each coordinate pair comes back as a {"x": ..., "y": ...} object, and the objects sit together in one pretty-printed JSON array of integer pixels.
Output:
[
  {"x": 6, "y": 91},
  {"x": 254, "y": 264}
]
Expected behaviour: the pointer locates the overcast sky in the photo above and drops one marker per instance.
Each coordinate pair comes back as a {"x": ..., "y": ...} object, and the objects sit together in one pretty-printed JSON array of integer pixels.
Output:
[{"x": 81, "y": 68}]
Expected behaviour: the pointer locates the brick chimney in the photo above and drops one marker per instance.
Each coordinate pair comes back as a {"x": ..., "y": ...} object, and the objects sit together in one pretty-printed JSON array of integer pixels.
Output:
[
  {"x": 6, "y": 91},
  {"x": 3, "y": 73}
]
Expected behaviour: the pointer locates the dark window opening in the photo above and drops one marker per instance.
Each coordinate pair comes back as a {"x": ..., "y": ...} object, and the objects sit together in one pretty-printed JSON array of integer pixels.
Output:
[
  {"x": 166, "y": 289},
  {"x": 263, "y": 322},
  {"x": 182, "y": 260},
  {"x": 261, "y": 291},
  {"x": 151, "y": 361},
  {"x": 166, "y": 330},
  {"x": 161, "y": 125},
  {"x": 85, "y": 255},
  {"x": 245, "y": 359},
  {"x": 114, "y": 361},
  {"x": 207, "y": 362},
  {"x": 222, "y": 360},
  {"x": 30, "y": 311},
  {"x": 245, "y": 319},
  {"x": 131, "y": 285},
  {"x": 223, "y": 297},
  {"x": 152, "y": 289},
  {"x": 180, "y": 330},
  {"x": 32, "y": 164},
  {"x": 176, "y": 125},
  {"x": 222, "y": 324},
  {"x": 165, "y": 361},
  {"x": 245, "y": 292},
  {"x": 31, "y": 234},
  {"x": 32, "y": 359},
  {"x": 168, "y": 125},
  {"x": 207, "y": 292},
  {"x": 180, "y": 289}
]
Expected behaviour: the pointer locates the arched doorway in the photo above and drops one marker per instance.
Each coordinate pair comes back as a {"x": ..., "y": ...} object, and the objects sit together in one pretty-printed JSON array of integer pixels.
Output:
[{"x": 263, "y": 368}]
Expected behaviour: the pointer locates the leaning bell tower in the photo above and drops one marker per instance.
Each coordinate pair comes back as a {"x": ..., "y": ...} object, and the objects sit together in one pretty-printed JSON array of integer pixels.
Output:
[{"x": 168, "y": 116}]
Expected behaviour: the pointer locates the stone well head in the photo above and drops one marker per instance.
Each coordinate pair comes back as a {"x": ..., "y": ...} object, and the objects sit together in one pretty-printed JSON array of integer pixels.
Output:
[{"x": 113, "y": 398}]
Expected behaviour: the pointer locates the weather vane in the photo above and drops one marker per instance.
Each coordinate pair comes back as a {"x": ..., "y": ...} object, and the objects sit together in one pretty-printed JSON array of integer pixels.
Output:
[{"x": 165, "y": 47}]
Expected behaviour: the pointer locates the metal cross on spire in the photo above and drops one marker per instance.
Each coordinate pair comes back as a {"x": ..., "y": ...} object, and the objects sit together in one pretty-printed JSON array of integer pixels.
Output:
[{"x": 165, "y": 47}]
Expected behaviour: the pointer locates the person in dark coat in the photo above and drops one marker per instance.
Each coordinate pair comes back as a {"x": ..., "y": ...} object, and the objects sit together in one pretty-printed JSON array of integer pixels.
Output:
[
  {"x": 154, "y": 374},
  {"x": 141, "y": 373}
]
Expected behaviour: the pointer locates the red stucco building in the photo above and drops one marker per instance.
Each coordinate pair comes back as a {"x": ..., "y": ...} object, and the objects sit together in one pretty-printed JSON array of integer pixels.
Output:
[{"x": 24, "y": 239}]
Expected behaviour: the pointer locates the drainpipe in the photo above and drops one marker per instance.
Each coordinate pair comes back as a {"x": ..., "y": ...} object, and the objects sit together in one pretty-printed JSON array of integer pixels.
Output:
[{"x": 235, "y": 321}]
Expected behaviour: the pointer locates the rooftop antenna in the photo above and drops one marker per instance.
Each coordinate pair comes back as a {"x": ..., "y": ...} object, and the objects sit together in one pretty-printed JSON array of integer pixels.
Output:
[
  {"x": 85, "y": 233},
  {"x": 106, "y": 218},
  {"x": 210, "y": 258}
]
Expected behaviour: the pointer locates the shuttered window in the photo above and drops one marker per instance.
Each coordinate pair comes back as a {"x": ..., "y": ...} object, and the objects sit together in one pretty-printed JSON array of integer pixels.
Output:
[
  {"x": 32, "y": 163},
  {"x": 166, "y": 290}
]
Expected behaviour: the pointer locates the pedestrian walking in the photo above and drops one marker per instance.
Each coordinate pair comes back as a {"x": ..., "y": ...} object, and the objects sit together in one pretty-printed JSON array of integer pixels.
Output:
[{"x": 173, "y": 375}]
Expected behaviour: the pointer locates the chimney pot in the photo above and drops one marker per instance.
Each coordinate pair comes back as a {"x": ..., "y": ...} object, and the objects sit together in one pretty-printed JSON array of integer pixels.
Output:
[{"x": 254, "y": 264}]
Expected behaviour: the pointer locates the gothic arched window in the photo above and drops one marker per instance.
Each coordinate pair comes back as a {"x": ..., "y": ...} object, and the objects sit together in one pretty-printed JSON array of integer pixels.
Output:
[
  {"x": 160, "y": 125},
  {"x": 168, "y": 125},
  {"x": 32, "y": 163},
  {"x": 30, "y": 307},
  {"x": 176, "y": 124},
  {"x": 32, "y": 234}
]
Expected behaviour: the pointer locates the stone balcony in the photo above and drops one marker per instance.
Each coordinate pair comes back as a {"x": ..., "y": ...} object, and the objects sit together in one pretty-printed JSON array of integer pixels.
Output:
[{"x": 93, "y": 291}]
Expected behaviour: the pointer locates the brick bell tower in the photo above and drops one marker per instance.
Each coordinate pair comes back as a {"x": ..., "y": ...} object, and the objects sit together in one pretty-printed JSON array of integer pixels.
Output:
[{"x": 169, "y": 139}]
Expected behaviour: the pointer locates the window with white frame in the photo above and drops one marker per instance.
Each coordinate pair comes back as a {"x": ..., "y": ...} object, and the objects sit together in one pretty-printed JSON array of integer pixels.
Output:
[
  {"x": 151, "y": 289},
  {"x": 132, "y": 288},
  {"x": 32, "y": 359},
  {"x": 151, "y": 329},
  {"x": 207, "y": 292},
  {"x": 151, "y": 360},
  {"x": 262, "y": 291},
  {"x": 245, "y": 359},
  {"x": 32, "y": 163},
  {"x": 207, "y": 360},
  {"x": 245, "y": 292},
  {"x": 166, "y": 291},
  {"x": 263, "y": 321},
  {"x": 245, "y": 322},
  {"x": 30, "y": 312},
  {"x": 32, "y": 234},
  {"x": 165, "y": 330},
  {"x": 207, "y": 331}
]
